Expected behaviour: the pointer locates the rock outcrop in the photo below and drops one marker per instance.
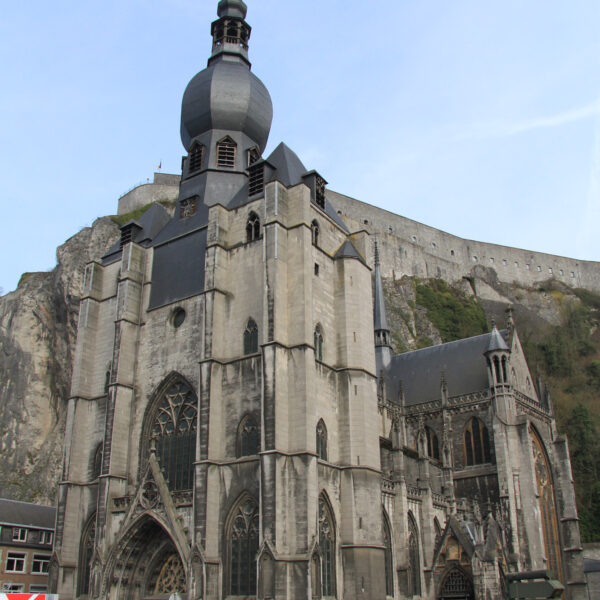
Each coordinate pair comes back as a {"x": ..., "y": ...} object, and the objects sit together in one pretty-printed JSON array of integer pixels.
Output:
[{"x": 37, "y": 335}]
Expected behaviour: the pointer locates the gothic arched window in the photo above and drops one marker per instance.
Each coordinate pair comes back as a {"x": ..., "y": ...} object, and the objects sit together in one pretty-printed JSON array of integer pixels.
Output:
[
  {"x": 389, "y": 563},
  {"x": 226, "y": 149},
  {"x": 247, "y": 437},
  {"x": 252, "y": 227},
  {"x": 476, "y": 443},
  {"x": 251, "y": 337},
  {"x": 88, "y": 539},
  {"x": 545, "y": 490},
  {"x": 318, "y": 342},
  {"x": 174, "y": 425},
  {"x": 314, "y": 230},
  {"x": 243, "y": 547},
  {"x": 196, "y": 157},
  {"x": 327, "y": 546},
  {"x": 321, "y": 440},
  {"x": 414, "y": 569},
  {"x": 433, "y": 446}
]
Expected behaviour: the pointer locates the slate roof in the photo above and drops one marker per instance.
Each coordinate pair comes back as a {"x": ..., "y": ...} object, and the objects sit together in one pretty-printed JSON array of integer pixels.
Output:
[
  {"x": 463, "y": 362},
  {"x": 26, "y": 514},
  {"x": 348, "y": 250}
]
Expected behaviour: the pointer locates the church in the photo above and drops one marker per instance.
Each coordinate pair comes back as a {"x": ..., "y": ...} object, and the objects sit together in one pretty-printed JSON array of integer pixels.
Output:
[{"x": 239, "y": 425}]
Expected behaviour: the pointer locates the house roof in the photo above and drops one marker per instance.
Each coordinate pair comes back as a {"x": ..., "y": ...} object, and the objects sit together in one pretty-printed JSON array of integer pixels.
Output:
[{"x": 13, "y": 512}]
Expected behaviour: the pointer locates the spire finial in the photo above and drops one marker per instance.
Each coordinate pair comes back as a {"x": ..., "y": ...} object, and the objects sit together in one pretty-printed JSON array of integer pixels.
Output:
[
  {"x": 376, "y": 254},
  {"x": 493, "y": 323}
]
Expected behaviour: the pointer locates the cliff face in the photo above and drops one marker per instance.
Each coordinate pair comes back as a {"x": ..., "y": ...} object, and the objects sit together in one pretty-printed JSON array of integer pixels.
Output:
[{"x": 37, "y": 335}]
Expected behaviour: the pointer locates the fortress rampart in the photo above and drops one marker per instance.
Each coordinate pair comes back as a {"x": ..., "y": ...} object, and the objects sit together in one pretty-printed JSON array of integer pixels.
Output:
[{"x": 411, "y": 248}]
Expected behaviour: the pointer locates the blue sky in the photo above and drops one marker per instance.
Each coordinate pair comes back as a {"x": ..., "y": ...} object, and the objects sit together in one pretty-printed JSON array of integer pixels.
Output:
[{"x": 481, "y": 118}]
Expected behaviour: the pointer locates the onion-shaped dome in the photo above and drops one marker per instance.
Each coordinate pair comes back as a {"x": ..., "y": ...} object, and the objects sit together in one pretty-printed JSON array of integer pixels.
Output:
[
  {"x": 226, "y": 95},
  {"x": 232, "y": 8}
]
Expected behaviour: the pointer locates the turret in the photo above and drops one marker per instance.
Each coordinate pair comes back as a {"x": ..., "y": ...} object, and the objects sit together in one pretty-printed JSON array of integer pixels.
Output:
[{"x": 497, "y": 355}]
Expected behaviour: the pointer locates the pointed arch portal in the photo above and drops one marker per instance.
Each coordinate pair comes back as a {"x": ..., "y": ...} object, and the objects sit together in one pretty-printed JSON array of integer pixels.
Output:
[
  {"x": 147, "y": 565},
  {"x": 456, "y": 586}
]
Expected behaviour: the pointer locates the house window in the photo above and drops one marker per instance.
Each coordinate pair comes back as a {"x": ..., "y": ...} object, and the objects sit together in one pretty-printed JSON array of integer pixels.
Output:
[
  {"x": 226, "y": 149},
  {"x": 327, "y": 547},
  {"x": 322, "y": 440},
  {"x": 9, "y": 587},
  {"x": 19, "y": 534},
  {"x": 243, "y": 547},
  {"x": 314, "y": 229},
  {"x": 247, "y": 437},
  {"x": 252, "y": 227},
  {"x": 174, "y": 433},
  {"x": 40, "y": 564},
  {"x": 15, "y": 562},
  {"x": 389, "y": 564},
  {"x": 251, "y": 337},
  {"x": 46, "y": 537},
  {"x": 38, "y": 589},
  {"x": 476, "y": 443},
  {"x": 196, "y": 157},
  {"x": 318, "y": 343},
  {"x": 433, "y": 446}
]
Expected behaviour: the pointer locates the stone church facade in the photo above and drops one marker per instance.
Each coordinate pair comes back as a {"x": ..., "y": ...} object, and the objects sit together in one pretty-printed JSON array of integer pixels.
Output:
[{"x": 239, "y": 426}]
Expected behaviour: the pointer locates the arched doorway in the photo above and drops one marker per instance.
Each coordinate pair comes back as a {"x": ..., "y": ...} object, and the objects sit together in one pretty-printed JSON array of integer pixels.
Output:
[
  {"x": 148, "y": 565},
  {"x": 457, "y": 585}
]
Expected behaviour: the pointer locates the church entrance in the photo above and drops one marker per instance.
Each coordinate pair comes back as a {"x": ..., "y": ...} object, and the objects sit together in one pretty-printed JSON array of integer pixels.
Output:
[
  {"x": 456, "y": 586},
  {"x": 148, "y": 566}
]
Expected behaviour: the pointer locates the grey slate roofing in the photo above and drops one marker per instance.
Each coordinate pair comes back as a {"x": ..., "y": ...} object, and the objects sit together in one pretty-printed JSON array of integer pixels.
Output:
[
  {"x": 496, "y": 341},
  {"x": 26, "y": 514},
  {"x": 348, "y": 250},
  {"x": 463, "y": 362},
  {"x": 591, "y": 565}
]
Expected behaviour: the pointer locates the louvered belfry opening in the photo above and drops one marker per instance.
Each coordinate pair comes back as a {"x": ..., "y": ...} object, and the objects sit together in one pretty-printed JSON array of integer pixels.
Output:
[
  {"x": 196, "y": 158},
  {"x": 226, "y": 153},
  {"x": 256, "y": 182}
]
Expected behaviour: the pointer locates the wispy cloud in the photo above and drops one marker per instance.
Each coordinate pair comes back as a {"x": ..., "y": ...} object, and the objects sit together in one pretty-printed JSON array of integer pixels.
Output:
[{"x": 511, "y": 128}]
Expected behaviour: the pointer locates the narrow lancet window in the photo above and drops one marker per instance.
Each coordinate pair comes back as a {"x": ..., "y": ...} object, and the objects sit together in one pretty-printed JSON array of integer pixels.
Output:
[
  {"x": 196, "y": 157},
  {"x": 322, "y": 440},
  {"x": 318, "y": 342},
  {"x": 252, "y": 227},
  {"x": 247, "y": 437},
  {"x": 327, "y": 546},
  {"x": 251, "y": 337}
]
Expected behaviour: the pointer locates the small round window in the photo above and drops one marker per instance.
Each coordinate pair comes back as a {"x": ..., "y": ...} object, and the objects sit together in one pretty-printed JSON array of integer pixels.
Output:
[{"x": 178, "y": 317}]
